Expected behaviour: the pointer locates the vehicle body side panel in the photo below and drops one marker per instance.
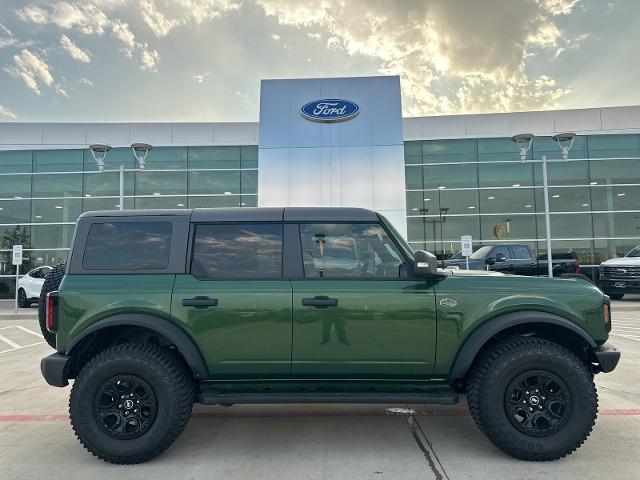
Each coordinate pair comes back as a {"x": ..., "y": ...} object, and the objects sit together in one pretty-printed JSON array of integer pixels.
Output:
[
  {"x": 466, "y": 302},
  {"x": 86, "y": 299}
]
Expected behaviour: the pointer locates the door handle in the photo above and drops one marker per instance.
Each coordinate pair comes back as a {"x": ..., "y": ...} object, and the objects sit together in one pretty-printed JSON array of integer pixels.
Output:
[
  {"x": 320, "y": 302},
  {"x": 202, "y": 302}
]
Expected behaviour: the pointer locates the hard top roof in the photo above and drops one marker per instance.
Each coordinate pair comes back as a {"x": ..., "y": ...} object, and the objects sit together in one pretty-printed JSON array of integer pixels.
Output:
[{"x": 253, "y": 214}]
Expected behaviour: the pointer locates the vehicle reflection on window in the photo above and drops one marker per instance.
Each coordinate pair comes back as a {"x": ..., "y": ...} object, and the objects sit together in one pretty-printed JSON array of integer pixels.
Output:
[{"x": 349, "y": 250}]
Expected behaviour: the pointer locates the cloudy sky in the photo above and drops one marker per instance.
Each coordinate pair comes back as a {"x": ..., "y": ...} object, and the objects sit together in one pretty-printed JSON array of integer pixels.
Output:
[{"x": 202, "y": 60}]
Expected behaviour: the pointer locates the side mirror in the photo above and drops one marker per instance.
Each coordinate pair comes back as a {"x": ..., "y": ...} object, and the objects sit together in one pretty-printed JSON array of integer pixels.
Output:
[
  {"x": 490, "y": 261},
  {"x": 424, "y": 263},
  {"x": 500, "y": 257}
]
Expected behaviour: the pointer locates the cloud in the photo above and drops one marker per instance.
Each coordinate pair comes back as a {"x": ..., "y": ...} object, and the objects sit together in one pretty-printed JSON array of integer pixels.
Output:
[
  {"x": 6, "y": 112},
  {"x": 445, "y": 52},
  {"x": 32, "y": 70},
  {"x": 149, "y": 58},
  {"x": 85, "y": 17},
  {"x": 76, "y": 52},
  {"x": 275, "y": 36},
  {"x": 163, "y": 16},
  {"x": 89, "y": 19},
  {"x": 200, "y": 77},
  {"x": 84, "y": 81}
]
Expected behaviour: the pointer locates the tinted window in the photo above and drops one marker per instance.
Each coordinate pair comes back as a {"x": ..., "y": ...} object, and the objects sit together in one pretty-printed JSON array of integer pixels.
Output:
[
  {"x": 502, "y": 250},
  {"x": 346, "y": 250},
  {"x": 127, "y": 246},
  {"x": 237, "y": 251},
  {"x": 520, "y": 251}
]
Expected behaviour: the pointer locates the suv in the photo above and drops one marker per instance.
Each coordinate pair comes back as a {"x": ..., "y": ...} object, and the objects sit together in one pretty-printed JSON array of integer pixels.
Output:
[
  {"x": 621, "y": 275},
  {"x": 159, "y": 309}
]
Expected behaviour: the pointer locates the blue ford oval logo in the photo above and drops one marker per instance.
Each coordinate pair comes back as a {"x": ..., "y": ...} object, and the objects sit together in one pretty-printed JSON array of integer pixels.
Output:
[{"x": 330, "y": 110}]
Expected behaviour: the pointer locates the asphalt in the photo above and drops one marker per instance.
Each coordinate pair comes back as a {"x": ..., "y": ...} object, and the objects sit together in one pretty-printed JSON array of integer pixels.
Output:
[{"x": 308, "y": 441}]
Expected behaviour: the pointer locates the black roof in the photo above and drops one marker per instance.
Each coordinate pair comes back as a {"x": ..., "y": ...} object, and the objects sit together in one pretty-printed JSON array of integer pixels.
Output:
[{"x": 253, "y": 214}]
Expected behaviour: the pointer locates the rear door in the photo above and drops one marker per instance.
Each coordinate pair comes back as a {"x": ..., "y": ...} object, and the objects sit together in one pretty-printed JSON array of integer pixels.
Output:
[
  {"x": 234, "y": 301},
  {"x": 523, "y": 262}
]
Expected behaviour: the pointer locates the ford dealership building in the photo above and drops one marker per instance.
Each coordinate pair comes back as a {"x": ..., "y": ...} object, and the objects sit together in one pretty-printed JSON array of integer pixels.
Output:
[{"x": 338, "y": 142}]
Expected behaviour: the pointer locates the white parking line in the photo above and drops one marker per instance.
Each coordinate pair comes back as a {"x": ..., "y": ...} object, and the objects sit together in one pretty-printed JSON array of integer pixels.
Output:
[
  {"x": 21, "y": 347},
  {"x": 29, "y": 331},
  {"x": 10, "y": 343},
  {"x": 637, "y": 339}
]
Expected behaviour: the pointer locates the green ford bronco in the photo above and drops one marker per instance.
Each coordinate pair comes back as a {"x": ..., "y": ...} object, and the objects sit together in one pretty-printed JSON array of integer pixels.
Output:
[{"x": 158, "y": 309}]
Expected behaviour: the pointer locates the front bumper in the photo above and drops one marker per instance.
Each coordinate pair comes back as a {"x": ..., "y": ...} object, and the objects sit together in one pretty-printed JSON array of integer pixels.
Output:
[
  {"x": 608, "y": 357},
  {"x": 55, "y": 369},
  {"x": 620, "y": 285}
]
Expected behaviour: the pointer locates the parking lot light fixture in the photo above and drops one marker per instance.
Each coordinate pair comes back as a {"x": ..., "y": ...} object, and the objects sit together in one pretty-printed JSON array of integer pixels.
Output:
[
  {"x": 523, "y": 141},
  {"x": 140, "y": 151},
  {"x": 99, "y": 153},
  {"x": 565, "y": 142}
]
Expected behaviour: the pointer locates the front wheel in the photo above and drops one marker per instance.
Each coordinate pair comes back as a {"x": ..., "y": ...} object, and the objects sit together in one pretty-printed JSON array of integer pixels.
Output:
[
  {"x": 130, "y": 402},
  {"x": 534, "y": 399}
]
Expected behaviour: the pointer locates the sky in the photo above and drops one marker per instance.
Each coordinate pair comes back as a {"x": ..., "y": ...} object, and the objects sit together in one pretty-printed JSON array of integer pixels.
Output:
[{"x": 202, "y": 60}]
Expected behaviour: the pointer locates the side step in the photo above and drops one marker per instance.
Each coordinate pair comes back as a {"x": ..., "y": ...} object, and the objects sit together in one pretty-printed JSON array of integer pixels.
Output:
[{"x": 444, "y": 397}]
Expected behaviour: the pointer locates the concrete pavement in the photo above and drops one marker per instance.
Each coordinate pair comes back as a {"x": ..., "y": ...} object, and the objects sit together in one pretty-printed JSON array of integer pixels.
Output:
[{"x": 312, "y": 441}]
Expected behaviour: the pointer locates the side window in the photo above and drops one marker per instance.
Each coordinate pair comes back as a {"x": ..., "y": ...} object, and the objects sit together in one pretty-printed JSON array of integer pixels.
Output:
[
  {"x": 520, "y": 252},
  {"x": 503, "y": 250},
  {"x": 248, "y": 251},
  {"x": 348, "y": 250},
  {"x": 127, "y": 246}
]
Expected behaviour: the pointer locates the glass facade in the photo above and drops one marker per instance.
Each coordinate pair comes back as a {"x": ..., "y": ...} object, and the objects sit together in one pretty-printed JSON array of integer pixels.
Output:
[
  {"x": 480, "y": 187},
  {"x": 42, "y": 192}
]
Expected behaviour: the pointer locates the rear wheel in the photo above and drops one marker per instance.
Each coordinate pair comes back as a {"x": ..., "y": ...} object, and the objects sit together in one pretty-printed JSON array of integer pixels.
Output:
[
  {"x": 534, "y": 399},
  {"x": 23, "y": 301},
  {"x": 130, "y": 402},
  {"x": 51, "y": 283}
]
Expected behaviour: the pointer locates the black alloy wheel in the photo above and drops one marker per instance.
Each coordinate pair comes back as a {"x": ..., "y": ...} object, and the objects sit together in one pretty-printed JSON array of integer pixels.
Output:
[
  {"x": 538, "y": 403},
  {"x": 125, "y": 407}
]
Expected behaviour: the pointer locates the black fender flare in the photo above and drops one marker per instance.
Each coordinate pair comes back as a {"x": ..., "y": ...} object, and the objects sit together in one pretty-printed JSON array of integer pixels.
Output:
[
  {"x": 183, "y": 342},
  {"x": 481, "y": 335}
]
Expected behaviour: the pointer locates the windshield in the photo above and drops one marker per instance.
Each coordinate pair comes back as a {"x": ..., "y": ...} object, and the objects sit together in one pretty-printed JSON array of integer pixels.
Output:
[
  {"x": 635, "y": 252},
  {"x": 399, "y": 238},
  {"x": 481, "y": 253}
]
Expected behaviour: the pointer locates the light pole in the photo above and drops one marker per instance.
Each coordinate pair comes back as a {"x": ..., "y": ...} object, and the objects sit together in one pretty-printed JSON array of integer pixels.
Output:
[
  {"x": 99, "y": 153},
  {"x": 565, "y": 141}
]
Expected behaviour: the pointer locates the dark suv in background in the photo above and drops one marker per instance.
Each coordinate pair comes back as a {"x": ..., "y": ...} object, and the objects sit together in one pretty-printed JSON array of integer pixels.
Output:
[{"x": 517, "y": 259}]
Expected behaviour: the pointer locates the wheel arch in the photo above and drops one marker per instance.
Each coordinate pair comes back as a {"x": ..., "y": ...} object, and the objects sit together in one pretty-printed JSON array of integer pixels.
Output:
[
  {"x": 110, "y": 328},
  {"x": 546, "y": 325}
]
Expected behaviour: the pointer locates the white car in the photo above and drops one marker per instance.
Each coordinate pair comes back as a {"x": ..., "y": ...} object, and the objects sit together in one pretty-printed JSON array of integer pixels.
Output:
[{"x": 29, "y": 286}]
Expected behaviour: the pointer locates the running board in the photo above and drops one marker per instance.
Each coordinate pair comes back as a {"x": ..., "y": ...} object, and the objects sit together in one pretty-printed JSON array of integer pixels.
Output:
[{"x": 437, "y": 397}]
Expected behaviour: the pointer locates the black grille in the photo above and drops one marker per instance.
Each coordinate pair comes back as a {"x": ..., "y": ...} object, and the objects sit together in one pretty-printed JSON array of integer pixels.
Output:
[{"x": 620, "y": 272}]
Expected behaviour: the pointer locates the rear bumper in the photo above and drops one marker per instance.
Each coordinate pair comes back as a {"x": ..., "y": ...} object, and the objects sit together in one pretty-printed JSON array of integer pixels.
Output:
[
  {"x": 55, "y": 369},
  {"x": 608, "y": 357}
]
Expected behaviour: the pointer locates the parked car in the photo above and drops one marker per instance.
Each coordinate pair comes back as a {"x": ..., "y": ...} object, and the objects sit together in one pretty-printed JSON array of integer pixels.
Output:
[
  {"x": 29, "y": 286},
  {"x": 158, "y": 309},
  {"x": 621, "y": 275},
  {"x": 516, "y": 258}
]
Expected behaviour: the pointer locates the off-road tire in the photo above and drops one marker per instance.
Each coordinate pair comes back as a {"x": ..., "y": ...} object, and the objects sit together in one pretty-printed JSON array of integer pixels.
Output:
[
  {"x": 23, "y": 301},
  {"x": 51, "y": 283},
  {"x": 503, "y": 362},
  {"x": 163, "y": 370}
]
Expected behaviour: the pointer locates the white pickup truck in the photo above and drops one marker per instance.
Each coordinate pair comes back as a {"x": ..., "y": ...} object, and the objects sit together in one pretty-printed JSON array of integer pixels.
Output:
[{"x": 621, "y": 275}]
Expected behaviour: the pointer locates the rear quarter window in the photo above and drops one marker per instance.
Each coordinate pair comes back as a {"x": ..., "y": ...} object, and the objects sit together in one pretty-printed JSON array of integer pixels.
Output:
[{"x": 128, "y": 246}]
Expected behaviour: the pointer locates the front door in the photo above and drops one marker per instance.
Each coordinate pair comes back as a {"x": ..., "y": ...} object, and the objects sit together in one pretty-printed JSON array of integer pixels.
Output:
[
  {"x": 235, "y": 304},
  {"x": 358, "y": 313}
]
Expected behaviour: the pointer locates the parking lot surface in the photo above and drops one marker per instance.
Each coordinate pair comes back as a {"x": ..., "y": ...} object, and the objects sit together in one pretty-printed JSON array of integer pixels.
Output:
[{"x": 308, "y": 441}]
